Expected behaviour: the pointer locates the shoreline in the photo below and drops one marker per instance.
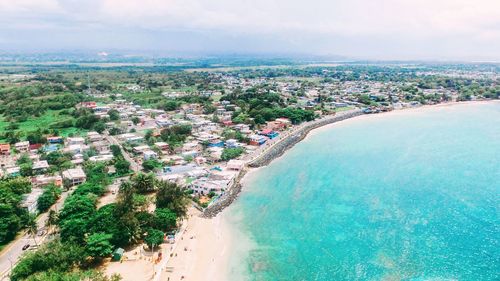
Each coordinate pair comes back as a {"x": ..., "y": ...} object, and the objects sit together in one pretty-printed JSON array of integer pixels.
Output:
[
  {"x": 275, "y": 150},
  {"x": 278, "y": 148},
  {"x": 210, "y": 252}
]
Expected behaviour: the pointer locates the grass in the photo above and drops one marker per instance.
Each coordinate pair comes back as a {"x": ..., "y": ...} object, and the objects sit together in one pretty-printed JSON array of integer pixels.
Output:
[{"x": 42, "y": 122}]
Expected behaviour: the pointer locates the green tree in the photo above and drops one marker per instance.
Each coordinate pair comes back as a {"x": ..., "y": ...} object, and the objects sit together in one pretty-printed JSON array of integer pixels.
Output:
[
  {"x": 107, "y": 220},
  {"x": 26, "y": 169},
  {"x": 49, "y": 196},
  {"x": 114, "y": 114},
  {"x": 154, "y": 237},
  {"x": 165, "y": 219},
  {"x": 115, "y": 149},
  {"x": 55, "y": 256},
  {"x": 99, "y": 245},
  {"x": 144, "y": 183},
  {"x": 51, "y": 220},
  {"x": 231, "y": 153},
  {"x": 151, "y": 165},
  {"x": 88, "y": 275},
  {"x": 122, "y": 166},
  {"x": 18, "y": 185},
  {"x": 12, "y": 216},
  {"x": 172, "y": 196},
  {"x": 32, "y": 227}
]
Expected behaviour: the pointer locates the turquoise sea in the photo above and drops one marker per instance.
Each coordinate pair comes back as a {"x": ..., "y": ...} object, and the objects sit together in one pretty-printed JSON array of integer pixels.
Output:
[{"x": 409, "y": 195}]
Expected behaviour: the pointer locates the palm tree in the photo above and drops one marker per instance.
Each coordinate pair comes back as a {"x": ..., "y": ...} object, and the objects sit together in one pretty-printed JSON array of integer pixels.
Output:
[
  {"x": 173, "y": 197},
  {"x": 51, "y": 220},
  {"x": 32, "y": 226},
  {"x": 144, "y": 183}
]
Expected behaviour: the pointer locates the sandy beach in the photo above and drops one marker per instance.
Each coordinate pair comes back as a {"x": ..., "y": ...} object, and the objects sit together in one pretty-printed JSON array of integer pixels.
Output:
[
  {"x": 404, "y": 111},
  {"x": 202, "y": 251}
]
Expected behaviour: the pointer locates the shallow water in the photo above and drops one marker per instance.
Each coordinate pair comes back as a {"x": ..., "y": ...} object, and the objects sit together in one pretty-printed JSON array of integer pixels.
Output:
[{"x": 410, "y": 195}]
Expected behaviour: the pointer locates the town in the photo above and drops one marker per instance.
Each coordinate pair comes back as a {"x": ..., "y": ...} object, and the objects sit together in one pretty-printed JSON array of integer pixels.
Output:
[{"x": 79, "y": 148}]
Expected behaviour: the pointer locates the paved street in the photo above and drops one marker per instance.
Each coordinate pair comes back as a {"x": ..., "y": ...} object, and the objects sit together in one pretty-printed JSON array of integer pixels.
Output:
[
  {"x": 11, "y": 253},
  {"x": 133, "y": 165}
]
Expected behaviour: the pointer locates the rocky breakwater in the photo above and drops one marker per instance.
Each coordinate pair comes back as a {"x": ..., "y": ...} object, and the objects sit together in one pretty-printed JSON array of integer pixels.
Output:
[
  {"x": 225, "y": 199},
  {"x": 293, "y": 138},
  {"x": 268, "y": 155}
]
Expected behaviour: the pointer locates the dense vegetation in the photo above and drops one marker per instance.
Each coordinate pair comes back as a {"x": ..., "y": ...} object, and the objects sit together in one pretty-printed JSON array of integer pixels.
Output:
[
  {"x": 12, "y": 216},
  {"x": 88, "y": 234}
]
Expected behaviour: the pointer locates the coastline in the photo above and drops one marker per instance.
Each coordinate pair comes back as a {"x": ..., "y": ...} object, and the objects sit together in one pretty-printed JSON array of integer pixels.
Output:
[
  {"x": 208, "y": 257},
  {"x": 275, "y": 150}
]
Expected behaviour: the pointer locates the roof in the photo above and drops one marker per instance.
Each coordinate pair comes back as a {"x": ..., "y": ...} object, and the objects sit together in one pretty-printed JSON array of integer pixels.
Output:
[
  {"x": 74, "y": 173},
  {"x": 43, "y": 164},
  {"x": 4, "y": 146},
  {"x": 23, "y": 143}
]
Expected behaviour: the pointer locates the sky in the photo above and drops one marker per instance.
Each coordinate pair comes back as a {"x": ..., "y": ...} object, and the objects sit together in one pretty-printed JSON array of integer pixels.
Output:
[{"x": 362, "y": 29}]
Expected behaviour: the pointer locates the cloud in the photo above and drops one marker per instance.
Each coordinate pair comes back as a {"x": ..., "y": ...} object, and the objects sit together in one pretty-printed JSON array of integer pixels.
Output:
[{"x": 331, "y": 26}]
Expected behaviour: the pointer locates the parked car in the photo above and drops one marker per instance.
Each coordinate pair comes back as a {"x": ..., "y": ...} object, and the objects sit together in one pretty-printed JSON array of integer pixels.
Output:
[{"x": 25, "y": 247}]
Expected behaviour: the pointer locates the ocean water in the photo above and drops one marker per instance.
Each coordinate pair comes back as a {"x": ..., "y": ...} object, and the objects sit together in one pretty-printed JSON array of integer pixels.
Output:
[{"x": 411, "y": 195}]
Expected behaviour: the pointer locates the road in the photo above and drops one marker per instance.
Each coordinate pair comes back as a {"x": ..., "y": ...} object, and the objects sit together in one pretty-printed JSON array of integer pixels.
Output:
[
  {"x": 133, "y": 165},
  {"x": 14, "y": 250}
]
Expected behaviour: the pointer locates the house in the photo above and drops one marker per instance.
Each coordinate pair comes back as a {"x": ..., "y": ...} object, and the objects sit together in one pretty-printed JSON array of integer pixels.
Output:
[
  {"x": 40, "y": 166},
  {"x": 101, "y": 146},
  {"x": 74, "y": 176},
  {"x": 101, "y": 109},
  {"x": 269, "y": 133},
  {"x": 131, "y": 138},
  {"x": 53, "y": 140},
  {"x": 87, "y": 104},
  {"x": 23, "y": 146},
  {"x": 227, "y": 123},
  {"x": 140, "y": 149},
  {"x": 35, "y": 146},
  {"x": 77, "y": 161},
  {"x": 285, "y": 121},
  {"x": 235, "y": 165},
  {"x": 191, "y": 146},
  {"x": 44, "y": 180},
  {"x": 205, "y": 186},
  {"x": 200, "y": 160},
  {"x": 4, "y": 149},
  {"x": 190, "y": 153},
  {"x": 257, "y": 140},
  {"x": 163, "y": 122},
  {"x": 215, "y": 153},
  {"x": 101, "y": 158},
  {"x": 13, "y": 171},
  {"x": 75, "y": 141},
  {"x": 232, "y": 143},
  {"x": 217, "y": 183},
  {"x": 163, "y": 146},
  {"x": 94, "y": 136},
  {"x": 216, "y": 143},
  {"x": 76, "y": 148},
  {"x": 149, "y": 154},
  {"x": 30, "y": 200}
]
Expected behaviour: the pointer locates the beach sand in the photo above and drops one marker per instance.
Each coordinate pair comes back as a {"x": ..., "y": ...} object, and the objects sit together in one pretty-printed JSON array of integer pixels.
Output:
[
  {"x": 404, "y": 111},
  {"x": 203, "y": 251}
]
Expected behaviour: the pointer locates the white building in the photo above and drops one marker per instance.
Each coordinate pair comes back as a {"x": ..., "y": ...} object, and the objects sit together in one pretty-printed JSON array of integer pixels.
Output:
[{"x": 75, "y": 176}]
